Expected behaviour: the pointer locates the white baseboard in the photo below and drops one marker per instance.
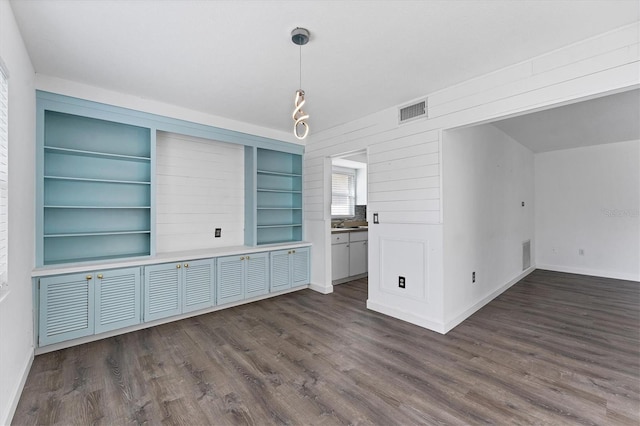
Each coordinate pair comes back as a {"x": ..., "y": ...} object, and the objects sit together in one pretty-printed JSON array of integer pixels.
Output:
[
  {"x": 324, "y": 289},
  {"x": 405, "y": 316},
  {"x": 17, "y": 393},
  {"x": 591, "y": 272},
  {"x": 451, "y": 324}
]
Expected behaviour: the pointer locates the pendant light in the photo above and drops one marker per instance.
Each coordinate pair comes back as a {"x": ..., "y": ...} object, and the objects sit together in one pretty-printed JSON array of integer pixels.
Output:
[{"x": 300, "y": 36}]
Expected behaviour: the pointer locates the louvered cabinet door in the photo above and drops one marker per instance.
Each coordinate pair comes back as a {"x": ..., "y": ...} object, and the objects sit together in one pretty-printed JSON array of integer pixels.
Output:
[
  {"x": 198, "y": 285},
  {"x": 66, "y": 308},
  {"x": 117, "y": 295},
  {"x": 280, "y": 270},
  {"x": 300, "y": 270},
  {"x": 162, "y": 291},
  {"x": 257, "y": 274},
  {"x": 229, "y": 279}
]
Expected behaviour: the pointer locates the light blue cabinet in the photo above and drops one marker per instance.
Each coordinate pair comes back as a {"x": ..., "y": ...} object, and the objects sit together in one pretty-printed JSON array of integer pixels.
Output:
[
  {"x": 289, "y": 268},
  {"x": 117, "y": 299},
  {"x": 66, "y": 308},
  {"x": 175, "y": 288},
  {"x": 241, "y": 277},
  {"x": 198, "y": 281},
  {"x": 78, "y": 305}
]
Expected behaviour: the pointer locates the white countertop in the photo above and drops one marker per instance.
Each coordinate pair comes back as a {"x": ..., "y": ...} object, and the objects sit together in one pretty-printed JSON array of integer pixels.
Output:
[
  {"x": 70, "y": 268},
  {"x": 340, "y": 230}
]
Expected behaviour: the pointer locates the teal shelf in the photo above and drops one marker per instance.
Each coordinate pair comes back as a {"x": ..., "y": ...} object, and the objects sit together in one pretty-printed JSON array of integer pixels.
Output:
[
  {"x": 79, "y": 152},
  {"x": 97, "y": 180},
  {"x": 269, "y": 172},
  {"x": 279, "y": 208},
  {"x": 86, "y": 234},
  {"x": 96, "y": 207},
  {"x": 285, "y": 225},
  {"x": 284, "y": 191}
]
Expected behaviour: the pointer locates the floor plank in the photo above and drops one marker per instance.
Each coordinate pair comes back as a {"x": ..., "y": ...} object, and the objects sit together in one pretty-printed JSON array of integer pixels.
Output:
[{"x": 554, "y": 349}]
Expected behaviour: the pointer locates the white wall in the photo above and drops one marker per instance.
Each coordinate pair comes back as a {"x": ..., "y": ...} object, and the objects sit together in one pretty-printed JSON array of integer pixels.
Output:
[
  {"x": 589, "y": 198},
  {"x": 16, "y": 310},
  {"x": 404, "y": 161},
  {"x": 486, "y": 177},
  {"x": 199, "y": 187},
  {"x": 361, "y": 186}
]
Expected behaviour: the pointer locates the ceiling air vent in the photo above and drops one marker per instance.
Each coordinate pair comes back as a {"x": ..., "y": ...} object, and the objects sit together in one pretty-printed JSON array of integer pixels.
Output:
[{"x": 413, "y": 112}]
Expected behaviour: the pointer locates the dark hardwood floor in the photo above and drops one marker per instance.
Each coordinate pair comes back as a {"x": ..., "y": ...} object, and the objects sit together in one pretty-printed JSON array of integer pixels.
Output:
[{"x": 554, "y": 349}]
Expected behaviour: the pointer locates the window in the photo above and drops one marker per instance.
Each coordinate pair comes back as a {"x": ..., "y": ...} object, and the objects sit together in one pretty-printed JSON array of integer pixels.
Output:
[
  {"x": 4, "y": 174},
  {"x": 343, "y": 192}
]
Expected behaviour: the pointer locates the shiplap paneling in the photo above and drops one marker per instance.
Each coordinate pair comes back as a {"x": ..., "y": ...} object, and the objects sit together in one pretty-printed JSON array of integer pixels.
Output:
[
  {"x": 602, "y": 64},
  {"x": 200, "y": 187}
]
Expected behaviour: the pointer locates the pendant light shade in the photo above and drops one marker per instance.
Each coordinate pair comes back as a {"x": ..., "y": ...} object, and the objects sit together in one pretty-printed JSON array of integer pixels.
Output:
[{"x": 300, "y": 36}]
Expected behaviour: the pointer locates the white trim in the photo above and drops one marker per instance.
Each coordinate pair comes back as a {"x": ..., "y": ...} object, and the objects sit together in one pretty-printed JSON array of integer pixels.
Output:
[
  {"x": 591, "y": 272},
  {"x": 406, "y": 316},
  {"x": 451, "y": 324},
  {"x": 324, "y": 289},
  {"x": 4, "y": 179},
  {"x": 17, "y": 393}
]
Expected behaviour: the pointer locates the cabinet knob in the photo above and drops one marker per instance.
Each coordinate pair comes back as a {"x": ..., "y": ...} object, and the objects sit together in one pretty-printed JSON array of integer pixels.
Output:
[
  {"x": 293, "y": 251},
  {"x": 99, "y": 276},
  {"x": 242, "y": 258},
  {"x": 289, "y": 251},
  {"x": 247, "y": 257},
  {"x": 89, "y": 277},
  {"x": 186, "y": 265},
  {"x": 178, "y": 266}
]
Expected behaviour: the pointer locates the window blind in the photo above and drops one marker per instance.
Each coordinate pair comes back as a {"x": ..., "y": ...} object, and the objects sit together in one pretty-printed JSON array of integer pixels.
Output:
[
  {"x": 4, "y": 174},
  {"x": 343, "y": 193}
]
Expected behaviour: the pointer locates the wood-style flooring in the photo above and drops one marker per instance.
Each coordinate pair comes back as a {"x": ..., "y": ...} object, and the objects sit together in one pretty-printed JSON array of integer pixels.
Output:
[{"x": 554, "y": 349}]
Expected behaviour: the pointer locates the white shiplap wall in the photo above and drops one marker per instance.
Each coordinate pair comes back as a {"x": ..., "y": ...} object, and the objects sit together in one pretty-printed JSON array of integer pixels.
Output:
[
  {"x": 406, "y": 162},
  {"x": 200, "y": 187}
]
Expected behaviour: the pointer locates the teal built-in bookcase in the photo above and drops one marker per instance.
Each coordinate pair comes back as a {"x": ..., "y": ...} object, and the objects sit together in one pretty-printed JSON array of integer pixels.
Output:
[{"x": 96, "y": 176}]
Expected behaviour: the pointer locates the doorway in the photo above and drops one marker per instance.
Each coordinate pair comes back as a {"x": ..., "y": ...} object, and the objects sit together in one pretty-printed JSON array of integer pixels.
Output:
[{"x": 349, "y": 226}]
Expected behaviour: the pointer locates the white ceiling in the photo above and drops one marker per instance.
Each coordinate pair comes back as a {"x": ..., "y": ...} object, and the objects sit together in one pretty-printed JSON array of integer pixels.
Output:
[
  {"x": 608, "y": 119},
  {"x": 235, "y": 59}
]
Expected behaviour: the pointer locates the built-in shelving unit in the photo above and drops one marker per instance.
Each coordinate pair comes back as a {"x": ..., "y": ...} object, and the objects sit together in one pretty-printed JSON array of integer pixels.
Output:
[
  {"x": 96, "y": 265},
  {"x": 96, "y": 189},
  {"x": 278, "y": 204},
  {"x": 96, "y": 181}
]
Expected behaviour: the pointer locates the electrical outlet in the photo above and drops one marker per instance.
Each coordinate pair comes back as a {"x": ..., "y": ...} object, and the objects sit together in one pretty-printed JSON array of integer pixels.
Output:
[
  {"x": 401, "y": 282},
  {"x": 375, "y": 218},
  {"x": 218, "y": 233},
  {"x": 473, "y": 277}
]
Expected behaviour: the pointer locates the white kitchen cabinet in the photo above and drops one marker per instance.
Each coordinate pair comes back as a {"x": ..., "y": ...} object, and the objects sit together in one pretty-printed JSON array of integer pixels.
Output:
[
  {"x": 357, "y": 258},
  {"x": 348, "y": 254},
  {"x": 339, "y": 260}
]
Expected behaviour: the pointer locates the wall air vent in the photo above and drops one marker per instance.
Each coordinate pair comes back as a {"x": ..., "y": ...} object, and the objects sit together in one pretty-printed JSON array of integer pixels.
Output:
[
  {"x": 412, "y": 112},
  {"x": 526, "y": 255}
]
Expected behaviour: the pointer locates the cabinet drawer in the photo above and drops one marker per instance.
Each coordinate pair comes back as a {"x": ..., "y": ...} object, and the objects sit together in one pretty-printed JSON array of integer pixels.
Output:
[
  {"x": 358, "y": 236},
  {"x": 338, "y": 238}
]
